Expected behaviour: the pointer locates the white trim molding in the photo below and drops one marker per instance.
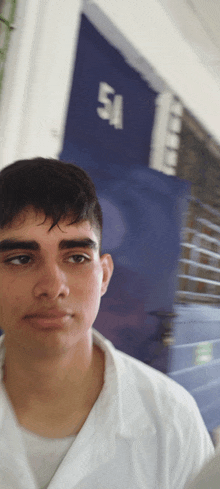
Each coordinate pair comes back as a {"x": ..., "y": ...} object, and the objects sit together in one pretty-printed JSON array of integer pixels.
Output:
[{"x": 166, "y": 133}]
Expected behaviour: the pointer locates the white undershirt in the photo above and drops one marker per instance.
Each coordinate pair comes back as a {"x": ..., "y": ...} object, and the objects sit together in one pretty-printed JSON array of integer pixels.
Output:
[{"x": 45, "y": 455}]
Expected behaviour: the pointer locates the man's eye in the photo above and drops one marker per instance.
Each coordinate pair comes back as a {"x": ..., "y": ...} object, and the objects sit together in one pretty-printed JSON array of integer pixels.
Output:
[
  {"x": 78, "y": 258},
  {"x": 19, "y": 260}
]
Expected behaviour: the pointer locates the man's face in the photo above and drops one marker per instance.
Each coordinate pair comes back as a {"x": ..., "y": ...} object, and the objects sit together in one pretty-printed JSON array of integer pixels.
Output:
[{"x": 46, "y": 273}]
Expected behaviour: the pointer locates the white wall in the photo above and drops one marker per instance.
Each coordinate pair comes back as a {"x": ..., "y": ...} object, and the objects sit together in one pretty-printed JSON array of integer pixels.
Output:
[
  {"x": 38, "y": 78},
  {"x": 40, "y": 64},
  {"x": 152, "y": 32}
]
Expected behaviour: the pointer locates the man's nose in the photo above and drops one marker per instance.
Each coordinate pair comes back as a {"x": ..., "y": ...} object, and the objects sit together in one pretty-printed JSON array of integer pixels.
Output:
[{"x": 52, "y": 283}]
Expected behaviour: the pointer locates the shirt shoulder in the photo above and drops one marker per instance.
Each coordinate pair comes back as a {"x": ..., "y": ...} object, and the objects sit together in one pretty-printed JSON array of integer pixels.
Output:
[
  {"x": 155, "y": 393},
  {"x": 153, "y": 384},
  {"x": 172, "y": 413}
]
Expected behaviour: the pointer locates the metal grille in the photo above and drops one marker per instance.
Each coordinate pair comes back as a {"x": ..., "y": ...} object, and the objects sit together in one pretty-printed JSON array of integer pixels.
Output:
[
  {"x": 199, "y": 270},
  {"x": 7, "y": 13}
]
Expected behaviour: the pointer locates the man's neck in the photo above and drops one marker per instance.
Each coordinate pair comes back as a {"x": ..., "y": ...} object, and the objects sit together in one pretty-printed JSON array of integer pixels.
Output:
[{"x": 53, "y": 399}]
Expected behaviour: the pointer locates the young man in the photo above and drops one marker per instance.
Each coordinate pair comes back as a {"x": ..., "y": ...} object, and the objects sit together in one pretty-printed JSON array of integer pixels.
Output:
[{"x": 74, "y": 411}]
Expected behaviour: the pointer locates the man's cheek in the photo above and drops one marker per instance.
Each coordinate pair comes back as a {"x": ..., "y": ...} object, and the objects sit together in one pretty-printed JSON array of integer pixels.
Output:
[
  {"x": 1, "y": 314},
  {"x": 10, "y": 309},
  {"x": 5, "y": 314}
]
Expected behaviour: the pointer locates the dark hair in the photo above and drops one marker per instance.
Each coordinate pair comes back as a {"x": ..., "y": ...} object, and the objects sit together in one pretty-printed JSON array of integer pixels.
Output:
[{"x": 61, "y": 190}]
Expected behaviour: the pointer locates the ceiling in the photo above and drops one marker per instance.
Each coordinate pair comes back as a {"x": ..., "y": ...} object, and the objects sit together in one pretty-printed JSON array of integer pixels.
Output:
[{"x": 199, "y": 23}]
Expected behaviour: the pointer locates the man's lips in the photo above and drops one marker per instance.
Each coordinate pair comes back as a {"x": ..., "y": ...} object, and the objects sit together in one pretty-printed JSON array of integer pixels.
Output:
[
  {"x": 50, "y": 314},
  {"x": 57, "y": 319}
]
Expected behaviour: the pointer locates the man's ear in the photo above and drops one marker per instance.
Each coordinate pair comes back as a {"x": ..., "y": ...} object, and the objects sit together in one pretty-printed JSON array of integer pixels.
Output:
[{"x": 107, "y": 268}]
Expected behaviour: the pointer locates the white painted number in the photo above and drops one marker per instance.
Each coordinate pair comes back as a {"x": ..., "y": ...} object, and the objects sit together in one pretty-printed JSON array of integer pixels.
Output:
[
  {"x": 112, "y": 109},
  {"x": 104, "y": 91}
]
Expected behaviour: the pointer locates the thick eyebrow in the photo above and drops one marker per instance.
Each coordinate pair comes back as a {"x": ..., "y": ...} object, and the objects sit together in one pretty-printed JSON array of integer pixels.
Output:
[{"x": 65, "y": 244}]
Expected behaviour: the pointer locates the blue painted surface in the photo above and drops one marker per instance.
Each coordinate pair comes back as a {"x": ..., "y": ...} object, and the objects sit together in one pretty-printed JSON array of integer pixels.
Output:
[
  {"x": 194, "y": 325},
  {"x": 142, "y": 208},
  {"x": 97, "y": 61}
]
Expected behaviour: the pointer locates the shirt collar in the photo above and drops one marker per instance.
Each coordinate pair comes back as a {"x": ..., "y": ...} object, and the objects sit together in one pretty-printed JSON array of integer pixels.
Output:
[
  {"x": 120, "y": 408},
  {"x": 120, "y": 395}
]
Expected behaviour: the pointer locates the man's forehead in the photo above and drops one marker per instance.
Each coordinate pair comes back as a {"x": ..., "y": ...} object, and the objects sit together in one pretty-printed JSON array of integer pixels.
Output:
[
  {"x": 36, "y": 235},
  {"x": 31, "y": 222},
  {"x": 30, "y": 217}
]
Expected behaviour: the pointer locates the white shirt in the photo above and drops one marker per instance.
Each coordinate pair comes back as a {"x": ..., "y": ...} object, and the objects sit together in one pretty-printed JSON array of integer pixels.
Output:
[{"x": 144, "y": 431}]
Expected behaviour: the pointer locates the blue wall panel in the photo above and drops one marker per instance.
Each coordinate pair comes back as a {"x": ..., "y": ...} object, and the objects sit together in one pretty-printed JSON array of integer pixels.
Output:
[
  {"x": 197, "y": 331},
  {"x": 142, "y": 208}
]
